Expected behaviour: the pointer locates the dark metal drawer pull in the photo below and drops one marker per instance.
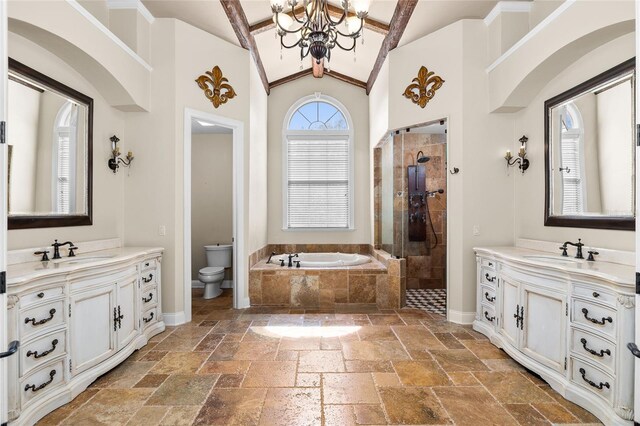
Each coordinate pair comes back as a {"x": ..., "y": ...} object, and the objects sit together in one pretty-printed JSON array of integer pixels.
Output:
[
  {"x": 585, "y": 311},
  {"x": 115, "y": 319},
  {"x": 147, "y": 300},
  {"x": 490, "y": 279},
  {"x": 599, "y": 386},
  {"x": 146, "y": 264},
  {"x": 634, "y": 349},
  {"x": 42, "y": 386},
  {"x": 36, "y": 355},
  {"x": 516, "y": 316},
  {"x": 592, "y": 352},
  {"x": 486, "y": 315},
  {"x": 596, "y": 294},
  {"x": 148, "y": 319},
  {"x": 147, "y": 280},
  {"x": 42, "y": 321},
  {"x": 489, "y": 263},
  {"x": 490, "y": 299},
  {"x": 40, "y": 295}
]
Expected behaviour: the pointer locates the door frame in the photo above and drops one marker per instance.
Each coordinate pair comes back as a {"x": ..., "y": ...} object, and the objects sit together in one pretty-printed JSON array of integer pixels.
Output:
[
  {"x": 239, "y": 257},
  {"x": 4, "y": 328}
]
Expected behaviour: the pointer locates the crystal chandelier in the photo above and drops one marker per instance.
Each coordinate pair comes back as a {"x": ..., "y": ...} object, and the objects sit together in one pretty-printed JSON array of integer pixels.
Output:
[{"x": 314, "y": 28}]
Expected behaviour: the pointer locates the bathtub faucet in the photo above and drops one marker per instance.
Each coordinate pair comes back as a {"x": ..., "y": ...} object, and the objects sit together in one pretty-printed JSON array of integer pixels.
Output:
[
  {"x": 291, "y": 256},
  {"x": 273, "y": 253}
]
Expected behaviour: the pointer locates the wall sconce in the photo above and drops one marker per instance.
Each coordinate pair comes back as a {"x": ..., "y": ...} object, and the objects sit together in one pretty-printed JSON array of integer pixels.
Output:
[
  {"x": 115, "y": 160},
  {"x": 521, "y": 160}
]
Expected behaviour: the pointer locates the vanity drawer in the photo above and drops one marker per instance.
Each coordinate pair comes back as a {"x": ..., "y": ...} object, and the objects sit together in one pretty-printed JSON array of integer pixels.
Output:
[
  {"x": 488, "y": 264},
  {"x": 596, "y": 317},
  {"x": 148, "y": 277},
  {"x": 150, "y": 317},
  {"x": 149, "y": 296},
  {"x": 42, "y": 380},
  {"x": 40, "y": 296},
  {"x": 42, "y": 350},
  {"x": 488, "y": 295},
  {"x": 592, "y": 378},
  {"x": 488, "y": 276},
  {"x": 39, "y": 318},
  {"x": 148, "y": 264},
  {"x": 595, "y": 295},
  {"x": 489, "y": 315},
  {"x": 597, "y": 349}
]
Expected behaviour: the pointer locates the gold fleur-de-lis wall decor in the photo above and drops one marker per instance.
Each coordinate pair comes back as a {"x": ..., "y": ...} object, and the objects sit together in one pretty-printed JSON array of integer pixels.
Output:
[
  {"x": 424, "y": 87},
  {"x": 216, "y": 87}
]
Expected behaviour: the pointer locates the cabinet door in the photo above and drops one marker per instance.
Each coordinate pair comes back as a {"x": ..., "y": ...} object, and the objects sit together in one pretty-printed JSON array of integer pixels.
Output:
[
  {"x": 509, "y": 309},
  {"x": 92, "y": 322},
  {"x": 544, "y": 332},
  {"x": 127, "y": 309}
]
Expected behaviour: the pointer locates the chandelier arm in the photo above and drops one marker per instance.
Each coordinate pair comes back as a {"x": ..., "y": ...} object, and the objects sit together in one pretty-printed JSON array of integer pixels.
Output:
[
  {"x": 282, "y": 43},
  {"x": 300, "y": 21},
  {"x": 353, "y": 46}
]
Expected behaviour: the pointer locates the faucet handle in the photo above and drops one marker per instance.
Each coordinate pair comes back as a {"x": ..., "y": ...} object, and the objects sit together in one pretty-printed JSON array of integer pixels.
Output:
[
  {"x": 564, "y": 250},
  {"x": 297, "y": 262},
  {"x": 71, "y": 249},
  {"x": 281, "y": 262},
  {"x": 590, "y": 258},
  {"x": 44, "y": 255}
]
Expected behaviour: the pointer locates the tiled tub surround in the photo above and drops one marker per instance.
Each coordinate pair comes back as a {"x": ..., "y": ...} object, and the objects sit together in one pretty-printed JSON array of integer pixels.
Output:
[
  {"x": 389, "y": 292},
  {"x": 567, "y": 320},
  {"x": 77, "y": 318},
  {"x": 273, "y": 285}
]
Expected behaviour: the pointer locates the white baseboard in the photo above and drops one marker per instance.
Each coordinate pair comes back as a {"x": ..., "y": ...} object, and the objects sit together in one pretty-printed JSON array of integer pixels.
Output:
[
  {"x": 244, "y": 303},
  {"x": 460, "y": 317},
  {"x": 173, "y": 319},
  {"x": 197, "y": 284}
]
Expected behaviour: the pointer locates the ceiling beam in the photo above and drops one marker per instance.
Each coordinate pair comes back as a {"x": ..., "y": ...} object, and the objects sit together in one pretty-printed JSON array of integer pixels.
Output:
[
  {"x": 334, "y": 11},
  {"x": 240, "y": 25},
  {"x": 309, "y": 71},
  {"x": 399, "y": 21}
]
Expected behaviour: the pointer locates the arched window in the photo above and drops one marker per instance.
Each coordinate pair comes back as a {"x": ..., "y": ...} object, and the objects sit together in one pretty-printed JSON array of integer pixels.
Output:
[
  {"x": 572, "y": 160},
  {"x": 318, "y": 165},
  {"x": 64, "y": 159}
]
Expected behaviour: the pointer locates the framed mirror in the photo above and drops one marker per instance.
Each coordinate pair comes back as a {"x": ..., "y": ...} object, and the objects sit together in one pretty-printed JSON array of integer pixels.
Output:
[
  {"x": 590, "y": 153},
  {"x": 50, "y": 141}
]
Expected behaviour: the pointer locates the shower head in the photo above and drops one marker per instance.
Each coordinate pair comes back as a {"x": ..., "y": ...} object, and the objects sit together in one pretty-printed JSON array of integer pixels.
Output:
[{"x": 421, "y": 158}]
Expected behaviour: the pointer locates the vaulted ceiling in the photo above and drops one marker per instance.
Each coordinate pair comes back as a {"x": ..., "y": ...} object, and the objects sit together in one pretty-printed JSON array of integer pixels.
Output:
[{"x": 412, "y": 21}]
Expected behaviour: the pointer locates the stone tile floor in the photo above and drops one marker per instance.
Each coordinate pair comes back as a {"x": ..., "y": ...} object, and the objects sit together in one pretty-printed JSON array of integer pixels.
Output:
[{"x": 281, "y": 366}]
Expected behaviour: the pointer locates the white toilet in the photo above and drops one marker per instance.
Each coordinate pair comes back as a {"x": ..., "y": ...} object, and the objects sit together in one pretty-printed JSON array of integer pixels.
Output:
[{"x": 218, "y": 258}]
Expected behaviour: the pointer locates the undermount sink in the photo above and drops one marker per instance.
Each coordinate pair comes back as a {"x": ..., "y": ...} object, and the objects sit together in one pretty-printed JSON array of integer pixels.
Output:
[
  {"x": 553, "y": 259},
  {"x": 84, "y": 259}
]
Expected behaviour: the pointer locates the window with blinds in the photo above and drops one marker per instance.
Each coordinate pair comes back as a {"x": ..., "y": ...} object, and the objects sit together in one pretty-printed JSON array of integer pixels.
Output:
[
  {"x": 318, "y": 163},
  {"x": 64, "y": 162},
  {"x": 571, "y": 158}
]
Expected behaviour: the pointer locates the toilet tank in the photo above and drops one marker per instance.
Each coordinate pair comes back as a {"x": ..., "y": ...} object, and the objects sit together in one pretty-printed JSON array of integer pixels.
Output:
[{"x": 219, "y": 255}]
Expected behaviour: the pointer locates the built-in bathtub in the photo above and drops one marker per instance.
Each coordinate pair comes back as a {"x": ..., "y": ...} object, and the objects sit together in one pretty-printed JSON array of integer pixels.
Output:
[{"x": 323, "y": 260}]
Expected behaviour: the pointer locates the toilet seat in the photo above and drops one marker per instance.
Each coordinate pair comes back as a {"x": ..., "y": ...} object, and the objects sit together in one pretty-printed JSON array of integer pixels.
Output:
[{"x": 211, "y": 270}]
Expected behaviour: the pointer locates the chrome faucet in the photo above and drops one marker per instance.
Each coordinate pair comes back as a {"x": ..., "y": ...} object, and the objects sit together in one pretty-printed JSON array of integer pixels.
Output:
[
  {"x": 578, "y": 246},
  {"x": 56, "y": 249}
]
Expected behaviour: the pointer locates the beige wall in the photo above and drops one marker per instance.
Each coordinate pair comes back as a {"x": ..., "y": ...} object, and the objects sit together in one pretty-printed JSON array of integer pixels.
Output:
[
  {"x": 356, "y": 102},
  {"x": 475, "y": 139},
  {"x": 107, "y": 188},
  {"x": 211, "y": 195},
  {"x": 529, "y": 187}
]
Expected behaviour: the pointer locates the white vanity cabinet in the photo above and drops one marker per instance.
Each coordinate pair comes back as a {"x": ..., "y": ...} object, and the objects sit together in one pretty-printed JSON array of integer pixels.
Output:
[
  {"x": 568, "y": 324},
  {"x": 75, "y": 321}
]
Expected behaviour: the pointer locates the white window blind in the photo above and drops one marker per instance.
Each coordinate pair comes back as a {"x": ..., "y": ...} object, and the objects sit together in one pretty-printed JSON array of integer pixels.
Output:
[
  {"x": 318, "y": 183},
  {"x": 63, "y": 173}
]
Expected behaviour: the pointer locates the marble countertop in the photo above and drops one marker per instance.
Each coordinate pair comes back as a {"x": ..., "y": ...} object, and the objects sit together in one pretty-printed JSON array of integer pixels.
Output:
[
  {"x": 21, "y": 272},
  {"x": 614, "y": 272}
]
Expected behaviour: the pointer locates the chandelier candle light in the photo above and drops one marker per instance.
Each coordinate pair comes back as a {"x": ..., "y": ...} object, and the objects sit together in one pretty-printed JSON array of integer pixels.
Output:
[{"x": 316, "y": 32}]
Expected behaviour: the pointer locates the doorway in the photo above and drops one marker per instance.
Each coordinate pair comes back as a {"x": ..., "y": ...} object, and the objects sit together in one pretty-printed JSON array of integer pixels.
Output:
[
  {"x": 411, "y": 210},
  {"x": 213, "y": 208}
]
